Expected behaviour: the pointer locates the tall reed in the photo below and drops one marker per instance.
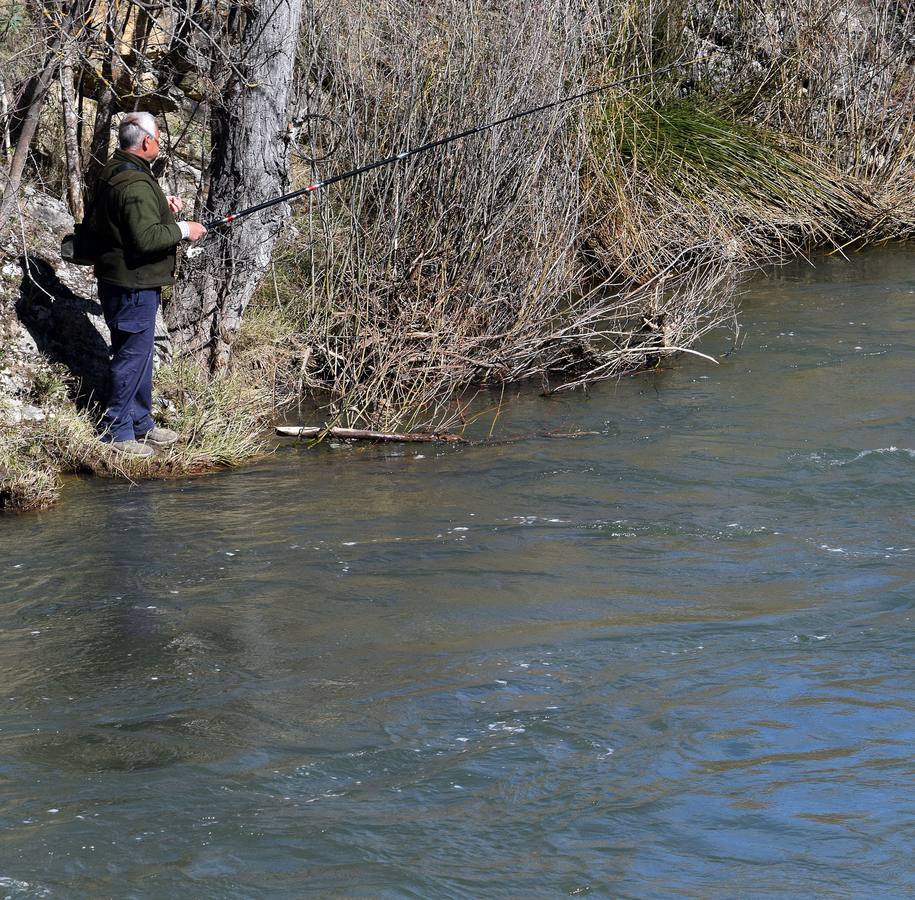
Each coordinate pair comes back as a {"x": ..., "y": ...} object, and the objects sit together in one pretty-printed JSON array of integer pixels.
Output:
[{"x": 592, "y": 239}]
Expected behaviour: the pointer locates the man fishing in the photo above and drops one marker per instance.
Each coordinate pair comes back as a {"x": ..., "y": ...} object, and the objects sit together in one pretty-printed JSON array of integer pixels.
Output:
[{"x": 136, "y": 235}]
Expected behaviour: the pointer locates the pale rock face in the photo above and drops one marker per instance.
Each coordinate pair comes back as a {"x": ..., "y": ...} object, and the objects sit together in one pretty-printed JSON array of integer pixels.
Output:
[
  {"x": 48, "y": 308},
  {"x": 32, "y": 414},
  {"x": 49, "y": 210},
  {"x": 10, "y": 406}
]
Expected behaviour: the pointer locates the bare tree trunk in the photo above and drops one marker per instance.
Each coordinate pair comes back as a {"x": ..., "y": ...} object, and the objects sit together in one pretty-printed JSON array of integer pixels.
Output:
[
  {"x": 26, "y": 133},
  {"x": 203, "y": 188},
  {"x": 105, "y": 106},
  {"x": 71, "y": 137},
  {"x": 4, "y": 115},
  {"x": 98, "y": 149},
  {"x": 248, "y": 164}
]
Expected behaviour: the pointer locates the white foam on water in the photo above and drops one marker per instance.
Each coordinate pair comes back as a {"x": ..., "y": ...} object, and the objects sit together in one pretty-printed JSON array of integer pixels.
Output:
[
  {"x": 14, "y": 884},
  {"x": 504, "y": 726},
  {"x": 878, "y": 451},
  {"x": 525, "y": 520}
]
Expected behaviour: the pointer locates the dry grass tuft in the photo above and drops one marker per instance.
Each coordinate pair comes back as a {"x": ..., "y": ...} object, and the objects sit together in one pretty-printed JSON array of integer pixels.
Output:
[
  {"x": 221, "y": 420},
  {"x": 222, "y": 423}
]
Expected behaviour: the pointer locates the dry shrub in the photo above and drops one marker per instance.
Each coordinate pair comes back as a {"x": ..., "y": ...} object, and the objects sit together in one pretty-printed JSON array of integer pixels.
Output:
[
  {"x": 589, "y": 240},
  {"x": 428, "y": 271}
]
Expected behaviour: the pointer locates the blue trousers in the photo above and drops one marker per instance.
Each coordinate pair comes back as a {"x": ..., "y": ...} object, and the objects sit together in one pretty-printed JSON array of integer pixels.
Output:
[{"x": 131, "y": 318}]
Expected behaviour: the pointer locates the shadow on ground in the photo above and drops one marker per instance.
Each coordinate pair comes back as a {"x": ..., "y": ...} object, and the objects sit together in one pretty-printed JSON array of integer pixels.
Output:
[{"x": 67, "y": 327}]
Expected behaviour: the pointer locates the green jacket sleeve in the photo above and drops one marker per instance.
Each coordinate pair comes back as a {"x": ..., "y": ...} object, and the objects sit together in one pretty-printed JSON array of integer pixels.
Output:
[{"x": 143, "y": 223}]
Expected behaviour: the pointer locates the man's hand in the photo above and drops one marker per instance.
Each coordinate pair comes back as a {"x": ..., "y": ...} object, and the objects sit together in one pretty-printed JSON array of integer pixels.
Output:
[
  {"x": 175, "y": 204},
  {"x": 195, "y": 231}
]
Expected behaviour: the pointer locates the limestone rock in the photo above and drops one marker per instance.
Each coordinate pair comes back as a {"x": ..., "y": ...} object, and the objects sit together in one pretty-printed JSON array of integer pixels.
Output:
[{"x": 31, "y": 414}]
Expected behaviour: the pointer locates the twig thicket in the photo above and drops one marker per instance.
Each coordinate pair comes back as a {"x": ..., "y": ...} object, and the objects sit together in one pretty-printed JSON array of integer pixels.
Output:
[{"x": 585, "y": 242}]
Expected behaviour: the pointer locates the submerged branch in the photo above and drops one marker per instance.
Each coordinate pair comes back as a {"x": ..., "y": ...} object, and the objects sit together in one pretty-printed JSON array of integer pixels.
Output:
[{"x": 361, "y": 434}]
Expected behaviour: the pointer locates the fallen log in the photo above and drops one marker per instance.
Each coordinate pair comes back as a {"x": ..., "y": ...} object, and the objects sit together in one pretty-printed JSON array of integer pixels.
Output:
[{"x": 360, "y": 434}]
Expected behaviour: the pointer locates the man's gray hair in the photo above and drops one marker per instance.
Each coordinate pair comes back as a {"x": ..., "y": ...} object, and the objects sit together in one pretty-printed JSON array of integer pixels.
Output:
[{"x": 134, "y": 127}]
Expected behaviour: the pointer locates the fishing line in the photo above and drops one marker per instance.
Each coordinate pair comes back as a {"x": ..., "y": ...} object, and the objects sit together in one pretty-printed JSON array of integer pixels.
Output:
[
  {"x": 314, "y": 141},
  {"x": 439, "y": 142}
]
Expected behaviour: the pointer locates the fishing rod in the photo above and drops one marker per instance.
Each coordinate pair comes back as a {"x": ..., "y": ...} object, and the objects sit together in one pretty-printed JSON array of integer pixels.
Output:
[{"x": 440, "y": 142}]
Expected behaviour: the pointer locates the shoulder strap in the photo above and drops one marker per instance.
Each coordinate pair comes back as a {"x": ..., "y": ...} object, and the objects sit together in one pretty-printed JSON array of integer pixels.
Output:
[
  {"x": 124, "y": 167},
  {"x": 114, "y": 179}
]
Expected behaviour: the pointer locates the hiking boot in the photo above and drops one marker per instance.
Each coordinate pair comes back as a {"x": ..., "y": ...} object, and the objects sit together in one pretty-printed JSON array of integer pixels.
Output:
[
  {"x": 159, "y": 437},
  {"x": 132, "y": 448}
]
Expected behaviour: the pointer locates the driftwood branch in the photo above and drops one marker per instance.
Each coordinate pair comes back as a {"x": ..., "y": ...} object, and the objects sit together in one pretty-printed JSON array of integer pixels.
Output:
[{"x": 360, "y": 434}]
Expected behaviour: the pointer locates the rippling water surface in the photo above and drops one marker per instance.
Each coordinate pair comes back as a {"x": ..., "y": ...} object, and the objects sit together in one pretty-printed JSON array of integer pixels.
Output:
[{"x": 670, "y": 659}]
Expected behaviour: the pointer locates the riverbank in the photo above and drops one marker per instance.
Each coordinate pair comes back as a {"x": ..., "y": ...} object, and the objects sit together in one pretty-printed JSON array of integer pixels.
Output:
[
  {"x": 53, "y": 367},
  {"x": 48, "y": 422},
  {"x": 566, "y": 248}
]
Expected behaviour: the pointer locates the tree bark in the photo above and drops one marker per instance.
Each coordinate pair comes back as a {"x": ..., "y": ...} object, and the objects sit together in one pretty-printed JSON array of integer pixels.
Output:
[
  {"x": 98, "y": 148},
  {"x": 5, "y": 117},
  {"x": 106, "y": 104},
  {"x": 27, "y": 132},
  {"x": 248, "y": 164},
  {"x": 71, "y": 137}
]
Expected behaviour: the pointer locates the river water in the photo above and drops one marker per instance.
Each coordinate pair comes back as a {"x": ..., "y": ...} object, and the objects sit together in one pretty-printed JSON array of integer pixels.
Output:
[{"x": 670, "y": 659}]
